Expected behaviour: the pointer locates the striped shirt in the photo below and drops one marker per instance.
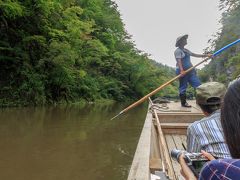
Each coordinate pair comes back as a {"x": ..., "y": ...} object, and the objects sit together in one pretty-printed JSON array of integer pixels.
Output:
[
  {"x": 221, "y": 169},
  {"x": 207, "y": 135}
]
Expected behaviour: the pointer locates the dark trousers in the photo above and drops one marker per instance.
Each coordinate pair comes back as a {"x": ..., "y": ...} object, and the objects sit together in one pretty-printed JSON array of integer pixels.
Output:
[{"x": 190, "y": 78}]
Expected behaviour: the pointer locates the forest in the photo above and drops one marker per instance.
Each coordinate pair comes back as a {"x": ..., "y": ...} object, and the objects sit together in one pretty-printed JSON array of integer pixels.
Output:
[
  {"x": 226, "y": 66},
  {"x": 68, "y": 51},
  {"x": 63, "y": 51}
]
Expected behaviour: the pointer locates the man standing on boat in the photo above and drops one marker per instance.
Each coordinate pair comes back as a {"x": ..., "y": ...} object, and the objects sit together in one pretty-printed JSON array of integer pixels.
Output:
[
  {"x": 182, "y": 56},
  {"x": 207, "y": 134}
]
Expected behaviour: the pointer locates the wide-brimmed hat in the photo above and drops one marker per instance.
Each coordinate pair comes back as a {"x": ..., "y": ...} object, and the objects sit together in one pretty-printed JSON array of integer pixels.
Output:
[
  {"x": 180, "y": 38},
  {"x": 210, "y": 93}
]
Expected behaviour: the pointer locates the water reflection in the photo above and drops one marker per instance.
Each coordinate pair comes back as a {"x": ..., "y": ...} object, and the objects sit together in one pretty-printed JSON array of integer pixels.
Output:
[{"x": 68, "y": 142}]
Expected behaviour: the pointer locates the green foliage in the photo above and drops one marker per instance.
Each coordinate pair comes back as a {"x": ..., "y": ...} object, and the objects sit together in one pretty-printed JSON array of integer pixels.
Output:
[
  {"x": 11, "y": 9},
  {"x": 34, "y": 46},
  {"x": 234, "y": 64},
  {"x": 31, "y": 88},
  {"x": 225, "y": 67},
  {"x": 55, "y": 51}
]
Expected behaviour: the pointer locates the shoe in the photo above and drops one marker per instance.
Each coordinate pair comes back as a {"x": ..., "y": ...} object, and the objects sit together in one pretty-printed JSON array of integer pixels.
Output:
[
  {"x": 183, "y": 101},
  {"x": 186, "y": 105}
]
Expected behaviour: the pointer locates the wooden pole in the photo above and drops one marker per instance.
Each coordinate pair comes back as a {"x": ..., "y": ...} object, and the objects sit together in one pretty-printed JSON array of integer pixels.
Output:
[
  {"x": 163, "y": 147},
  {"x": 173, "y": 79},
  {"x": 158, "y": 89}
]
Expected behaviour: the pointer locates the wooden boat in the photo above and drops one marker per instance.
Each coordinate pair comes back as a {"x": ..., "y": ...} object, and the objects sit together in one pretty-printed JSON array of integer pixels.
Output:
[{"x": 164, "y": 129}]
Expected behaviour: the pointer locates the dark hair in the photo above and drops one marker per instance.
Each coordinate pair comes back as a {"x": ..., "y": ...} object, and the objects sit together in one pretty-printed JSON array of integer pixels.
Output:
[
  {"x": 230, "y": 118},
  {"x": 210, "y": 108}
]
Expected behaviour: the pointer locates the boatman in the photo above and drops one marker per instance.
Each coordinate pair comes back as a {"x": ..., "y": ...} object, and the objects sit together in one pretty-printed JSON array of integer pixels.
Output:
[{"x": 182, "y": 56}]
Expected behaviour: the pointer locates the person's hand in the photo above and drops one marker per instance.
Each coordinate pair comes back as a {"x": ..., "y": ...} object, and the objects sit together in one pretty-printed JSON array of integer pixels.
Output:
[
  {"x": 209, "y": 55},
  {"x": 185, "y": 170},
  {"x": 207, "y": 155},
  {"x": 182, "y": 72}
]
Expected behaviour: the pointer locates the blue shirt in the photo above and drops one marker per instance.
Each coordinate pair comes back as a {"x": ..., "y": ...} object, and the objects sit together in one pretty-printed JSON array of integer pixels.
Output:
[{"x": 221, "y": 169}]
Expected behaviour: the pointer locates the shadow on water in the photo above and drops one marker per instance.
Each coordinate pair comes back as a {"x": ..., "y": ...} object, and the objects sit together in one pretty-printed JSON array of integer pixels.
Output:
[{"x": 68, "y": 142}]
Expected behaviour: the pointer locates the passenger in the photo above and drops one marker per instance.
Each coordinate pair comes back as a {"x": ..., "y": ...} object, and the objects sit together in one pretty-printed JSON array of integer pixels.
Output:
[
  {"x": 207, "y": 134},
  {"x": 230, "y": 120}
]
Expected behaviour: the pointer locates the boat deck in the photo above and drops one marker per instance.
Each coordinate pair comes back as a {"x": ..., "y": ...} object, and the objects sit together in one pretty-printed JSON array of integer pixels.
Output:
[
  {"x": 165, "y": 129},
  {"x": 175, "y": 119},
  {"x": 176, "y": 142},
  {"x": 174, "y": 122}
]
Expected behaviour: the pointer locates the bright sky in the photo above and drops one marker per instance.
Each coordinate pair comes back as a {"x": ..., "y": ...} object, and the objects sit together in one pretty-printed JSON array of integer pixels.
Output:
[{"x": 155, "y": 25}]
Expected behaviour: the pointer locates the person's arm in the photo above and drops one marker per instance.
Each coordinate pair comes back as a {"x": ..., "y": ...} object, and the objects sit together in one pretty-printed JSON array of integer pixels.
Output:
[
  {"x": 198, "y": 55},
  {"x": 185, "y": 170},
  {"x": 179, "y": 55},
  {"x": 182, "y": 72},
  {"x": 201, "y": 55}
]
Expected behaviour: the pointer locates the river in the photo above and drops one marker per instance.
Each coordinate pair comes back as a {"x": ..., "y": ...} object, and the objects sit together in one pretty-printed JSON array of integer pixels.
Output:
[{"x": 68, "y": 142}]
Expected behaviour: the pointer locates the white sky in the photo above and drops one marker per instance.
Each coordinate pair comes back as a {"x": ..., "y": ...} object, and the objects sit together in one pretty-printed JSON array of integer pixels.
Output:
[{"x": 155, "y": 25}]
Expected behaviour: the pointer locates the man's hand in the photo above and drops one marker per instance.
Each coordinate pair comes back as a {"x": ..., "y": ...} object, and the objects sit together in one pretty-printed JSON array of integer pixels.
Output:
[
  {"x": 207, "y": 155},
  {"x": 209, "y": 55},
  {"x": 182, "y": 72}
]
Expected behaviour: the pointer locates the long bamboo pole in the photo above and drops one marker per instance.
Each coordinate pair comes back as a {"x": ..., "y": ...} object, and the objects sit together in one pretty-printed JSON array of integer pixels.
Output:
[
  {"x": 173, "y": 79},
  {"x": 163, "y": 146}
]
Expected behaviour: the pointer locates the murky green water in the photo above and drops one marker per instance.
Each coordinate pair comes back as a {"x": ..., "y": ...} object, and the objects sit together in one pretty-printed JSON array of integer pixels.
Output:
[{"x": 68, "y": 143}]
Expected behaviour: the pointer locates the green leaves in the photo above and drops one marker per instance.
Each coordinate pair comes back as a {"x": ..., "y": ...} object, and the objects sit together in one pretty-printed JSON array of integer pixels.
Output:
[
  {"x": 75, "y": 28},
  {"x": 70, "y": 50},
  {"x": 225, "y": 66},
  {"x": 61, "y": 53},
  {"x": 12, "y": 9},
  {"x": 234, "y": 64}
]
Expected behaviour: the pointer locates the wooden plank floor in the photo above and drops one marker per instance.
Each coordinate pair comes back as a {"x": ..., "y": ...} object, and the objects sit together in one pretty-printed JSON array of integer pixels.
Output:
[
  {"x": 175, "y": 107},
  {"x": 176, "y": 142},
  {"x": 174, "y": 121},
  {"x": 173, "y": 112}
]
